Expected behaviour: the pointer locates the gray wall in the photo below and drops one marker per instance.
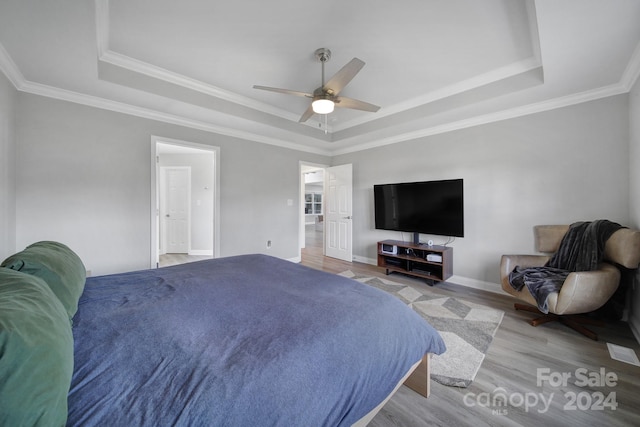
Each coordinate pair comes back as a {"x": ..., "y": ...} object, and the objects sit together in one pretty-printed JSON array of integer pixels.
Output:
[
  {"x": 85, "y": 180},
  {"x": 7, "y": 168},
  {"x": 555, "y": 167}
]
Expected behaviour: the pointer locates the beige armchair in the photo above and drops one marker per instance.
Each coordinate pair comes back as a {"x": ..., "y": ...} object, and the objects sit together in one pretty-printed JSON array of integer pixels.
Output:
[{"x": 582, "y": 292}]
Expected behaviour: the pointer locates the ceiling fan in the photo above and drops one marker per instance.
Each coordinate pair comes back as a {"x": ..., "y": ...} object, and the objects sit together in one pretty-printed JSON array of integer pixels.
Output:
[{"x": 325, "y": 97}]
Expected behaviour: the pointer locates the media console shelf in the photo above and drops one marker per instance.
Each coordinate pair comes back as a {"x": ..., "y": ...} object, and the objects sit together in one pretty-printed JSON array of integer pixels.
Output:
[{"x": 411, "y": 259}]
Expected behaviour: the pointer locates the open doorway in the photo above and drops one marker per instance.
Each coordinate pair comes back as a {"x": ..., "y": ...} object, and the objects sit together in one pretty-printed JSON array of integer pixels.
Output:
[
  {"x": 327, "y": 232},
  {"x": 312, "y": 209},
  {"x": 185, "y": 202}
]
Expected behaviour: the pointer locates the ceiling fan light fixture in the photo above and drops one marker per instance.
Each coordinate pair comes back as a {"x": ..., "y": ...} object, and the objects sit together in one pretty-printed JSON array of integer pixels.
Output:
[
  {"x": 322, "y": 106},
  {"x": 325, "y": 97}
]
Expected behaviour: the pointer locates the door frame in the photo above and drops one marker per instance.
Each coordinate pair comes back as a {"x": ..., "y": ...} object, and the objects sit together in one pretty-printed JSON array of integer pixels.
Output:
[{"x": 155, "y": 197}]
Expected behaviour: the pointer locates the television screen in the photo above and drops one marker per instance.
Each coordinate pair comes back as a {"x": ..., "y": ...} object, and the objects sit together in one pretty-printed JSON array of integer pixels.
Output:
[{"x": 430, "y": 207}]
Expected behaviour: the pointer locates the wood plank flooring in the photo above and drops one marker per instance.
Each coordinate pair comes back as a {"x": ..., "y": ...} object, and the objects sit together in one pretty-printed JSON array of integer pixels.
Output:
[
  {"x": 506, "y": 391},
  {"x": 173, "y": 259}
]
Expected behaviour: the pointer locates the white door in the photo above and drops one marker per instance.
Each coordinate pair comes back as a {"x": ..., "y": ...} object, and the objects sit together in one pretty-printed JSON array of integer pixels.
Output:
[
  {"x": 338, "y": 212},
  {"x": 178, "y": 190}
]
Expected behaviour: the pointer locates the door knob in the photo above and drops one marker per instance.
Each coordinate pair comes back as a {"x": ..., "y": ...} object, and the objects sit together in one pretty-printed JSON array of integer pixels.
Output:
[
  {"x": 348, "y": 217},
  {"x": 167, "y": 215}
]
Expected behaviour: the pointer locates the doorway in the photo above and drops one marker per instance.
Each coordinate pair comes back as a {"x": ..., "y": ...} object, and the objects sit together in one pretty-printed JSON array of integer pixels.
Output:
[
  {"x": 312, "y": 209},
  {"x": 185, "y": 202},
  {"x": 326, "y": 230}
]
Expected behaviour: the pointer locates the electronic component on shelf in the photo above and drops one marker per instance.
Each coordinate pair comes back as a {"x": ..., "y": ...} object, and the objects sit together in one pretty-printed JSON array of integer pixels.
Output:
[
  {"x": 421, "y": 270},
  {"x": 434, "y": 257},
  {"x": 389, "y": 249}
]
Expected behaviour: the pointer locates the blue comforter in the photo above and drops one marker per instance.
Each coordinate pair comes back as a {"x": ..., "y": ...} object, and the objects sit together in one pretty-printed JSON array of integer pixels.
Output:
[{"x": 241, "y": 341}]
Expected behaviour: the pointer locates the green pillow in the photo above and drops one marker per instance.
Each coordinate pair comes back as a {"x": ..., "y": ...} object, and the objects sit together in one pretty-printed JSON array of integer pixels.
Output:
[
  {"x": 58, "y": 266},
  {"x": 36, "y": 353}
]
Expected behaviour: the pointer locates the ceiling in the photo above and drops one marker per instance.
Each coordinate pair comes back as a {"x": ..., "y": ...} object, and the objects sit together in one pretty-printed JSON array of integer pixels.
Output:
[{"x": 432, "y": 65}]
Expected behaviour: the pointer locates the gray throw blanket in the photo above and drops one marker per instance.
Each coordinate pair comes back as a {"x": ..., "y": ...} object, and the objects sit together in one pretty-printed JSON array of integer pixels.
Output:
[{"x": 581, "y": 249}]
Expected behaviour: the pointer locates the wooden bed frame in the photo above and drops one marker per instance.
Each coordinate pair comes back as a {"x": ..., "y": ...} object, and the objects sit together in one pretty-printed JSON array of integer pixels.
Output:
[{"x": 418, "y": 380}]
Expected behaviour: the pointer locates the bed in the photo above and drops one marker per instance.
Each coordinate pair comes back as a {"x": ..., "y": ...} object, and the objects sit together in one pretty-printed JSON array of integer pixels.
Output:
[{"x": 243, "y": 340}]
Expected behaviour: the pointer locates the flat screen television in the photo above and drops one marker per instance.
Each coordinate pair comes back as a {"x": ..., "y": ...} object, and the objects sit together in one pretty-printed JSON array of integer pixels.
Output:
[{"x": 429, "y": 207}]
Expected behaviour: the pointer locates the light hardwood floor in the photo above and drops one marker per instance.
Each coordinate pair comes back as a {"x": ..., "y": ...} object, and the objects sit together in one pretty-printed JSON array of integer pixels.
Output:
[
  {"x": 510, "y": 370},
  {"x": 173, "y": 259}
]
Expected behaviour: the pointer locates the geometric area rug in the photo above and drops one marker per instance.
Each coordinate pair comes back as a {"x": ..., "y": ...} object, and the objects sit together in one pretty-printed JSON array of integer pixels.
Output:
[{"x": 466, "y": 328}]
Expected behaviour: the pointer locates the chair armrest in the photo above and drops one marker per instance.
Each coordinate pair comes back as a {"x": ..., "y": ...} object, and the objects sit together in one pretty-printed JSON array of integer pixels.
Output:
[
  {"x": 509, "y": 262},
  {"x": 586, "y": 291}
]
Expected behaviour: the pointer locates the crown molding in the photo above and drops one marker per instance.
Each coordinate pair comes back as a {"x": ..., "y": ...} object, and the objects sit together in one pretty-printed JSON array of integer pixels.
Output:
[
  {"x": 525, "y": 110},
  {"x": 147, "y": 113},
  {"x": 534, "y": 33},
  {"x": 123, "y": 61},
  {"x": 493, "y": 76},
  {"x": 15, "y": 76},
  {"x": 140, "y": 67},
  {"x": 10, "y": 69},
  {"x": 131, "y": 64},
  {"x": 102, "y": 26},
  {"x": 632, "y": 72}
]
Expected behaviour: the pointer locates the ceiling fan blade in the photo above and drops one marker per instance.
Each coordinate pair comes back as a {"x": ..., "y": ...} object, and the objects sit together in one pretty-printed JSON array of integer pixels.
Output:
[
  {"x": 355, "y": 104},
  {"x": 306, "y": 114},
  {"x": 285, "y": 91},
  {"x": 344, "y": 76}
]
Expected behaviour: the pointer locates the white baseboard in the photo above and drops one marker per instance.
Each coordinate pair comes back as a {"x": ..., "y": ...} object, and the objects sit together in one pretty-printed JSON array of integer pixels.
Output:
[
  {"x": 201, "y": 252},
  {"x": 365, "y": 260},
  {"x": 477, "y": 284}
]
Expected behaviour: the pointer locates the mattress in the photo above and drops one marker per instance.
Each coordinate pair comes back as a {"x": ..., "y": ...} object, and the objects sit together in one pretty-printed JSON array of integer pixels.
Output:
[{"x": 244, "y": 340}]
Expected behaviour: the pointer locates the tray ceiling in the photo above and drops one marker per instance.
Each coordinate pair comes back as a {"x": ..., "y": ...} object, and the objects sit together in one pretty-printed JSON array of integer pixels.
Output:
[{"x": 432, "y": 66}]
